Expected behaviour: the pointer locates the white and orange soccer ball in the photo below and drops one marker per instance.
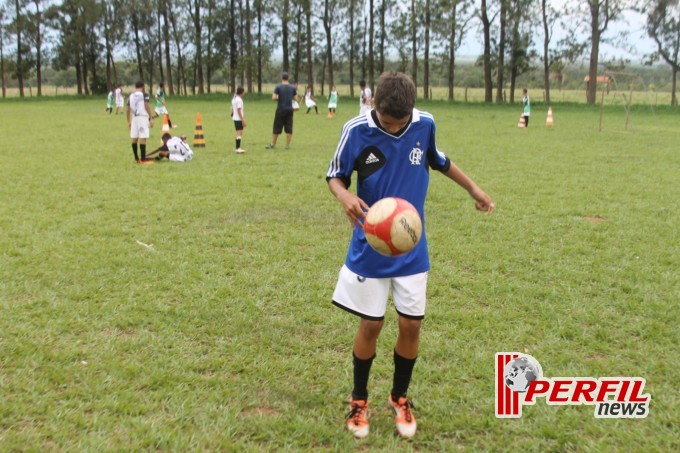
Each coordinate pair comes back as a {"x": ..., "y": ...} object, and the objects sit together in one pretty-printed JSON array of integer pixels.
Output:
[{"x": 393, "y": 226}]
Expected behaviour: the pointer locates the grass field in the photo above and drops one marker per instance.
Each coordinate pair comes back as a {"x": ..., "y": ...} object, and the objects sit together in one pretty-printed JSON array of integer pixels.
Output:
[{"x": 184, "y": 307}]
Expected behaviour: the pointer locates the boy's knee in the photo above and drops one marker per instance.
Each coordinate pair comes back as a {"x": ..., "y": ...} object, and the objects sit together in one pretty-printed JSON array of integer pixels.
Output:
[
  {"x": 409, "y": 327},
  {"x": 370, "y": 329}
]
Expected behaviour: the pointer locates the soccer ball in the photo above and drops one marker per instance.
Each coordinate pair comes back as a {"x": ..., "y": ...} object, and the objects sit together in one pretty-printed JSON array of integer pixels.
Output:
[{"x": 393, "y": 226}]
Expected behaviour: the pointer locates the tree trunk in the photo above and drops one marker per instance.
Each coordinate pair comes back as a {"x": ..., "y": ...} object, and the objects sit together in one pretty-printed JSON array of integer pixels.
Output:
[
  {"x": 383, "y": 36},
  {"x": 38, "y": 47},
  {"x": 351, "y": 48},
  {"x": 181, "y": 76},
  {"x": 2, "y": 60},
  {"x": 107, "y": 46},
  {"x": 20, "y": 64},
  {"x": 546, "y": 54},
  {"x": 135, "y": 27},
  {"x": 674, "y": 99},
  {"x": 249, "y": 49},
  {"x": 198, "y": 43},
  {"x": 594, "y": 50},
  {"x": 259, "y": 45},
  {"x": 371, "y": 36},
  {"x": 452, "y": 50},
  {"x": 310, "y": 67},
  {"x": 298, "y": 45},
  {"x": 79, "y": 77},
  {"x": 501, "y": 52},
  {"x": 426, "y": 53},
  {"x": 166, "y": 39},
  {"x": 233, "y": 48},
  {"x": 241, "y": 40},
  {"x": 329, "y": 43},
  {"x": 414, "y": 47},
  {"x": 284, "y": 36},
  {"x": 161, "y": 76},
  {"x": 486, "y": 24}
]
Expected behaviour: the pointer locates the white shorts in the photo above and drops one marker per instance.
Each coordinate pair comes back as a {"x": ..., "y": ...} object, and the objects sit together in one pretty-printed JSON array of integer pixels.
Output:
[
  {"x": 119, "y": 104},
  {"x": 139, "y": 127},
  {"x": 177, "y": 157},
  {"x": 310, "y": 104},
  {"x": 161, "y": 110},
  {"x": 367, "y": 297},
  {"x": 332, "y": 105},
  {"x": 364, "y": 108}
]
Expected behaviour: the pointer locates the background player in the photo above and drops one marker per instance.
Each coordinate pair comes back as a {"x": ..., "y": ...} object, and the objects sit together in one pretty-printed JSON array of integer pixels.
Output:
[
  {"x": 391, "y": 149},
  {"x": 284, "y": 94},
  {"x": 161, "y": 106},
  {"x": 139, "y": 121},
  {"x": 332, "y": 102},
  {"x": 526, "y": 112},
  {"x": 110, "y": 101},
  {"x": 238, "y": 115},
  {"x": 365, "y": 98},
  {"x": 120, "y": 98}
]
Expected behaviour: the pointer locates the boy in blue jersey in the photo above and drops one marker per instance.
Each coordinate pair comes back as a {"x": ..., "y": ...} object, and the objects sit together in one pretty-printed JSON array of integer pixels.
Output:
[{"x": 392, "y": 149}]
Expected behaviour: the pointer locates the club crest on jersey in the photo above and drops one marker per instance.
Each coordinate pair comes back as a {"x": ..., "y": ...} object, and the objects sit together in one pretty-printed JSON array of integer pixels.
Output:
[{"x": 415, "y": 156}]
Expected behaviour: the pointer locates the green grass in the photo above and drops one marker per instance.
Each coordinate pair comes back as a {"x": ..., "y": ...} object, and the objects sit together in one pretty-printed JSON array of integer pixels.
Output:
[{"x": 221, "y": 335}]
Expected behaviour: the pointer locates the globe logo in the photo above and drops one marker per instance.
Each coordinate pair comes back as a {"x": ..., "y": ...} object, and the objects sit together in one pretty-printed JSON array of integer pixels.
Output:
[{"x": 520, "y": 372}]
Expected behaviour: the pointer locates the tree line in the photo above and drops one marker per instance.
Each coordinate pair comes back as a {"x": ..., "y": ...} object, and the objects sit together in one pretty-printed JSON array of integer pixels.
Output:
[{"x": 185, "y": 43}]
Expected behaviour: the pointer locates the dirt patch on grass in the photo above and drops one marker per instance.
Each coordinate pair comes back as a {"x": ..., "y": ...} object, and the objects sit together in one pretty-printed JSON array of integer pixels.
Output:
[
  {"x": 260, "y": 411},
  {"x": 595, "y": 219}
]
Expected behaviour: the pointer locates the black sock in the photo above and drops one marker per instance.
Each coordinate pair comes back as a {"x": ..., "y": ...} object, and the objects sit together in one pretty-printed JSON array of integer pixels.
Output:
[
  {"x": 238, "y": 142},
  {"x": 403, "y": 369},
  {"x": 142, "y": 148},
  {"x": 134, "y": 150},
  {"x": 362, "y": 368},
  {"x": 169, "y": 123}
]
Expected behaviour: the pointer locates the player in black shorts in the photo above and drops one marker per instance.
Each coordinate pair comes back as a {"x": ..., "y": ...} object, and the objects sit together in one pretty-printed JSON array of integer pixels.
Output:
[{"x": 284, "y": 94}]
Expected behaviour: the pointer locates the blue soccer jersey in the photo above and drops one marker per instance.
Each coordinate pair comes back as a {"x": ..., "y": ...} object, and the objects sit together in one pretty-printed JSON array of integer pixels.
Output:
[{"x": 388, "y": 165}]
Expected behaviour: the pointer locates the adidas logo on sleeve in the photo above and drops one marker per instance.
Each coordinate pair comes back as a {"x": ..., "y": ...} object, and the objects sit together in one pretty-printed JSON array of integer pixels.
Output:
[{"x": 371, "y": 159}]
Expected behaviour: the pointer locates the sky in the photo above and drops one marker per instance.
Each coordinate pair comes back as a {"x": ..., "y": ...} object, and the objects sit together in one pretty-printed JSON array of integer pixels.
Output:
[{"x": 638, "y": 43}]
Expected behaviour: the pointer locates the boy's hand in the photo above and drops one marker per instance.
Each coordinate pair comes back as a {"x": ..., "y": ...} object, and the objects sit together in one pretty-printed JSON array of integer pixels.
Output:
[
  {"x": 483, "y": 202},
  {"x": 355, "y": 208}
]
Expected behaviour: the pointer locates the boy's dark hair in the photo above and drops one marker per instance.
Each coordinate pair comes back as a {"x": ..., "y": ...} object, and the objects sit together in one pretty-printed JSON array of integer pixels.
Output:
[
  {"x": 362, "y": 83},
  {"x": 284, "y": 76},
  {"x": 395, "y": 95},
  {"x": 240, "y": 90},
  {"x": 166, "y": 136},
  {"x": 139, "y": 84},
  {"x": 162, "y": 85}
]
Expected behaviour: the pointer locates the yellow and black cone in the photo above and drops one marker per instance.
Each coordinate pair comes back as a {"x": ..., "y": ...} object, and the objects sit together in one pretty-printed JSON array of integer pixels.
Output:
[{"x": 199, "y": 139}]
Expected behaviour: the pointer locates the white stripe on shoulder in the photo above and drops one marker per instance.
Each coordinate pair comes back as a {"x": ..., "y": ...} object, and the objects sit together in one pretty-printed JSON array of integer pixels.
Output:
[
  {"x": 334, "y": 167},
  {"x": 426, "y": 115}
]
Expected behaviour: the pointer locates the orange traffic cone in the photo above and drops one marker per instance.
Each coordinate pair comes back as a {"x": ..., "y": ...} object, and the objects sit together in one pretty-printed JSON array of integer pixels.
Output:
[
  {"x": 521, "y": 123},
  {"x": 199, "y": 140},
  {"x": 166, "y": 125},
  {"x": 549, "y": 121}
]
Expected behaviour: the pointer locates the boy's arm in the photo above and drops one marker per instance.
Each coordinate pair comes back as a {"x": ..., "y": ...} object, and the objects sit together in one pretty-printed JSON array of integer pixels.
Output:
[
  {"x": 353, "y": 206},
  {"x": 483, "y": 202},
  {"x": 148, "y": 110},
  {"x": 240, "y": 115},
  {"x": 160, "y": 148}
]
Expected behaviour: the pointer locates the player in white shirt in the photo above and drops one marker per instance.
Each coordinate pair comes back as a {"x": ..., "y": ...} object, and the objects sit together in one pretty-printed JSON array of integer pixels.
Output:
[
  {"x": 139, "y": 121},
  {"x": 175, "y": 149},
  {"x": 239, "y": 117},
  {"x": 365, "y": 99},
  {"x": 120, "y": 98}
]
